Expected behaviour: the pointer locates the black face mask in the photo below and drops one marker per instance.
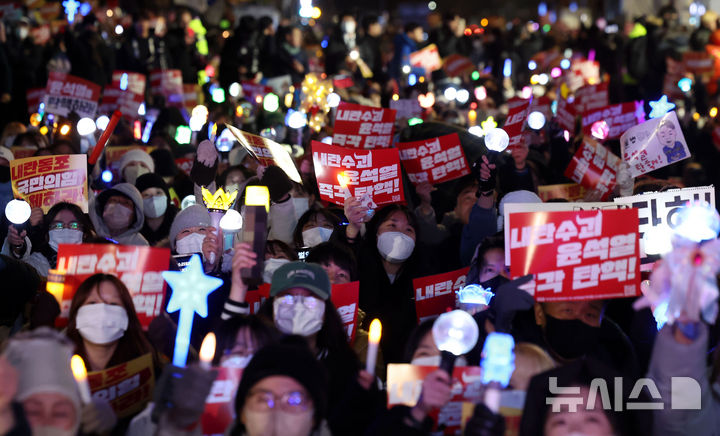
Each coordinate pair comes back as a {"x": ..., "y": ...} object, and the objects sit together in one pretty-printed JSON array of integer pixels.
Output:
[
  {"x": 4, "y": 174},
  {"x": 570, "y": 338},
  {"x": 494, "y": 283}
]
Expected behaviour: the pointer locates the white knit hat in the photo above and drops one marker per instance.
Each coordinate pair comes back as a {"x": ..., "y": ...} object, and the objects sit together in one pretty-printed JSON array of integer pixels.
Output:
[{"x": 137, "y": 155}]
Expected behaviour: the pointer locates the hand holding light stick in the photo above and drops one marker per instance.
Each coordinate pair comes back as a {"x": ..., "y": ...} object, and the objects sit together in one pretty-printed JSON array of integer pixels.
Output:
[
  {"x": 104, "y": 137},
  {"x": 207, "y": 351},
  {"x": 498, "y": 364},
  {"x": 373, "y": 342},
  {"x": 455, "y": 334},
  {"x": 80, "y": 373}
]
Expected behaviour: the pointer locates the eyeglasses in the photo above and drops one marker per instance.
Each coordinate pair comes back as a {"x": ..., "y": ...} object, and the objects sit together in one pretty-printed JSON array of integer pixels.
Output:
[
  {"x": 60, "y": 225},
  {"x": 264, "y": 401},
  {"x": 308, "y": 301}
]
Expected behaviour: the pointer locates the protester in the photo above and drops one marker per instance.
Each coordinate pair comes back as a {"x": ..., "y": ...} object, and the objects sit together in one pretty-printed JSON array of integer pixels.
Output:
[
  {"x": 117, "y": 214},
  {"x": 157, "y": 207}
]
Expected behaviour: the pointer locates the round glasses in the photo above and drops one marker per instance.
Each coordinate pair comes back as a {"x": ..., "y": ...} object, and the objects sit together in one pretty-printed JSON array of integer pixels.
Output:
[
  {"x": 308, "y": 301},
  {"x": 71, "y": 225},
  {"x": 292, "y": 402}
]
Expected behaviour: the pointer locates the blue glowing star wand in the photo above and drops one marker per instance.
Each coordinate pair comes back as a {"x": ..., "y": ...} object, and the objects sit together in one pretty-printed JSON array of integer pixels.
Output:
[{"x": 190, "y": 289}]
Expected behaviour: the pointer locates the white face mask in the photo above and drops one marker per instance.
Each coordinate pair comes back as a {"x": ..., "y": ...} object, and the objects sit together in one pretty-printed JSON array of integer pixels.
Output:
[
  {"x": 315, "y": 236},
  {"x": 271, "y": 265},
  {"x": 301, "y": 318},
  {"x": 101, "y": 323},
  {"x": 301, "y": 206},
  {"x": 395, "y": 247},
  {"x": 348, "y": 26},
  {"x": 435, "y": 361},
  {"x": 117, "y": 216},
  {"x": 132, "y": 173},
  {"x": 46, "y": 430},
  {"x": 64, "y": 236},
  {"x": 233, "y": 187},
  {"x": 278, "y": 423},
  {"x": 155, "y": 207},
  {"x": 191, "y": 243},
  {"x": 236, "y": 362}
]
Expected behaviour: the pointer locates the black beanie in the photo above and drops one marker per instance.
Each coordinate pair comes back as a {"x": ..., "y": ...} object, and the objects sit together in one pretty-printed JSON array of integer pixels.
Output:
[
  {"x": 151, "y": 180},
  {"x": 277, "y": 182},
  {"x": 164, "y": 162},
  {"x": 292, "y": 358}
]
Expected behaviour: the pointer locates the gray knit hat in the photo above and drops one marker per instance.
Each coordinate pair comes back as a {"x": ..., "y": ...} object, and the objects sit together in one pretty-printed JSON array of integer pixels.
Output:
[{"x": 191, "y": 216}]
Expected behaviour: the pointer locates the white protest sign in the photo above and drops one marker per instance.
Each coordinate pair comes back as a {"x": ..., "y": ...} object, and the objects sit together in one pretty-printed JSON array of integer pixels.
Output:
[{"x": 654, "y": 144}]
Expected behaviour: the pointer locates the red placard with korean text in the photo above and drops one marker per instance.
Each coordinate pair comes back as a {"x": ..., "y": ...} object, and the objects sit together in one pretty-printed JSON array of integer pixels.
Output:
[
  {"x": 698, "y": 62},
  {"x": 517, "y": 114},
  {"x": 578, "y": 255},
  {"x": 219, "y": 411},
  {"x": 257, "y": 146},
  {"x": 128, "y": 387},
  {"x": 168, "y": 83},
  {"x": 34, "y": 98},
  {"x": 404, "y": 385},
  {"x": 566, "y": 114},
  {"x": 138, "y": 267},
  {"x": 44, "y": 181},
  {"x": 345, "y": 298},
  {"x": 127, "y": 100},
  {"x": 581, "y": 72},
  {"x": 65, "y": 93},
  {"x": 360, "y": 126},
  {"x": 372, "y": 172},
  {"x": 427, "y": 58},
  {"x": 594, "y": 167},
  {"x": 436, "y": 294},
  {"x": 434, "y": 160},
  {"x": 591, "y": 97},
  {"x": 619, "y": 118}
]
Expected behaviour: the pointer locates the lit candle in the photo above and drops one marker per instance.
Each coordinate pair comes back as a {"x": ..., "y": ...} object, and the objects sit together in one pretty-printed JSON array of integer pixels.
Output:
[
  {"x": 207, "y": 351},
  {"x": 373, "y": 341},
  {"x": 343, "y": 180},
  {"x": 80, "y": 373},
  {"x": 472, "y": 117},
  {"x": 56, "y": 284}
]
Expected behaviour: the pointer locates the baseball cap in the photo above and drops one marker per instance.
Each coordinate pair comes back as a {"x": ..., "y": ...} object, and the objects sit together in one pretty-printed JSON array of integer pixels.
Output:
[{"x": 301, "y": 275}]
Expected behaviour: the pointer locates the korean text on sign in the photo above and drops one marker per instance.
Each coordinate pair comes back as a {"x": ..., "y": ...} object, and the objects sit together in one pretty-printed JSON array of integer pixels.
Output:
[
  {"x": 435, "y": 294},
  {"x": 372, "y": 172},
  {"x": 517, "y": 114},
  {"x": 345, "y": 298},
  {"x": 44, "y": 181},
  {"x": 619, "y": 118},
  {"x": 594, "y": 167},
  {"x": 128, "y": 387},
  {"x": 168, "y": 83},
  {"x": 654, "y": 144},
  {"x": 583, "y": 255},
  {"x": 434, "y": 160},
  {"x": 65, "y": 93},
  {"x": 125, "y": 93},
  {"x": 139, "y": 268},
  {"x": 592, "y": 97},
  {"x": 360, "y": 126},
  {"x": 256, "y": 145}
]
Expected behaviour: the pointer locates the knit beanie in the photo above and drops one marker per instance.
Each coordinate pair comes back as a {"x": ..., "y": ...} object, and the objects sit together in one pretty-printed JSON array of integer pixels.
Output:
[
  {"x": 139, "y": 156},
  {"x": 151, "y": 180},
  {"x": 191, "y": 216}
]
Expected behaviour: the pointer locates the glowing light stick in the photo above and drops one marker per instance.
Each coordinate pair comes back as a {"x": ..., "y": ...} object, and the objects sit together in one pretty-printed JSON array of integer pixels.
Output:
[
  {"x": 190, "y": 289},
  {"x": 102, "y": 141},
  {"x": 475, "y": 294},
  {"x": 80, "y": 373},
  {"x": 600, "y": 129},
  {"x": 254, "y": 232},
  {"x": 207, "y": 351},
  {"x": 18, "y": 212},
  {"x": 373, "y": 342},
  {"x": 56, "y": 284},
  {"x": 536, "y": 120},
  {"x": 661, "y": 107},
  {"x": 498, "y": 364},
  {"x": 230, "y": 223},
  {"x": 455, "y": 334}
]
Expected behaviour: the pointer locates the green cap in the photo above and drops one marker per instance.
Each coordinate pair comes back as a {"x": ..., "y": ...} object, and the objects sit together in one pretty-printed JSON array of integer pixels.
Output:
[{"x": 298, "y": 274}]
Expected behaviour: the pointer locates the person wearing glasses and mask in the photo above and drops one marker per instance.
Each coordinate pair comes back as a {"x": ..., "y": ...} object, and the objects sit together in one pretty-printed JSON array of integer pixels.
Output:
[{"x": 65, "y": 223}]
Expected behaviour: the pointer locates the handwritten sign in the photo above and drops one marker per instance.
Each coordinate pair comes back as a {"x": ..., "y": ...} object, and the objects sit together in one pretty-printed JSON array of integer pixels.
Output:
[
  {"x": 44, "y": 181},
  {"x": 128, "y": 387},
  {"x": 435, "y": 294},
  {"x": 360, "y": 126},
  {"x": 434, "y": 160},
  {"x": 654, "y": 144}
]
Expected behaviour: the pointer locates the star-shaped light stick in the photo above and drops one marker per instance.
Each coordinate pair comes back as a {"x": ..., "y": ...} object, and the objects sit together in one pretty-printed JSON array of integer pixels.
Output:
[
  {"x": 661, "y": 107},
  {"x": 190, "y": 289},
  {"x": 72, "y": 7}
]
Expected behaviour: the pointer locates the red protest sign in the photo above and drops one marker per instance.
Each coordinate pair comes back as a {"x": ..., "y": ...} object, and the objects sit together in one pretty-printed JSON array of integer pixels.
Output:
[
  {"x": 591, "y": 97},
  {"x": 375, "y": 173},
  {"x": 566, "y": 114},
  {"x": 436, "y": 294},
  {"x": 619, "y": 118},
  {"x": 219, "y": 410},
  {"x": 515, "y": 120},
  {"x": 594, "y": 167},
  {"x": 582, "y": 71},
  {"x": 578, "y": 255},
  {"x": 404, "y": 385},
  {"x": 44, "y": 181},
  {"x": 698, "y": 62},
  {"x": 125, "y": 93},
  {"x": 363, "y": 126},
  {"x": 139, "y": 268},
  {"x": 184, "y": 164},
  {"x": 345, "y": 298},
  {"x": 34, "y": 98},
  {"x": 427, "y": 58},
  {"x": 168, "y": 83},
  {"x": 343, "y": 81},
  {"x": 256, "y": 145},
  {"x": 434, "y": 160},
  {"x": 568, "y": 191},
  {"x": 65, "y": 93},
  {"x": 128, "y": 387},
  {"x": 190, "y": 96},
  {"x": 456, "y": 65}
]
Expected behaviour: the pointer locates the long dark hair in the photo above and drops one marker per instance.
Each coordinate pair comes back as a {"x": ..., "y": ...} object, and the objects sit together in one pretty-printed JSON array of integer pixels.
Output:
[
  {"x": 132, "y": 344},
  {"x": 369, "y": 247},
  {"x": 306, "y": 217},
  {"x": 338, "y": 254},
  {"x": 87, "y": 227}
]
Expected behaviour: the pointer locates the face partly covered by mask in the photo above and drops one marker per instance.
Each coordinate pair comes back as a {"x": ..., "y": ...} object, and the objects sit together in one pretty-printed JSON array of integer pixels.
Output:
[
  {"x": 190, "y": 240},
  {"x": 571, "y": 328},
  {"x": 155, "y": 202},
  {"x": 119, "y": 213},
  {"x": 396, "y": 238},
  {"x": 102, "y": 318},
  {"x": 133, "y": 170},
  {"x": 298, "y": 312}
]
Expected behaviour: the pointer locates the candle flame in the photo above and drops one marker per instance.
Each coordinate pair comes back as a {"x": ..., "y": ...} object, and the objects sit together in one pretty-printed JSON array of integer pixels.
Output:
[
  {"x": 375, "y": 331},
  {"x": 78, "y": 367},
  {"x": 207, "y": 349}
]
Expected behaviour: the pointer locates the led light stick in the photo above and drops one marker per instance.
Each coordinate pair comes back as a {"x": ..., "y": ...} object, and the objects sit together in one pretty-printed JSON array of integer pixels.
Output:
[
  {"x": 498, "y": 364},
  {"x": 80, "y": 373},
  {"x": 18, "y": 213},
  {"x": 102, "y": 141},
  {"x": 474, "y": 298},
  {"x": 190, "y": 289},
  {"x": 455, "y": 334},
  {"x": 217, "y": 204},
  {"x": 207, "y": 351},
  {"x": 230, "y": 224},
  {"x": 373, "y": 341},
  {"x": 254, "y": 231}
]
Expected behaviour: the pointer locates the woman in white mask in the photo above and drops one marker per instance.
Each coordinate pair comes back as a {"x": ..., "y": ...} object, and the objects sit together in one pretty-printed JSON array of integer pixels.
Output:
[
  {"x": 103, "y": 324},
  {"x": 117, "y": 213},
  {"x": 314, "y": 227},
  {"x": 157, "y": 207},
  {"x": 134, "y": 164},
  {"x": 65, "y": 223},
  {"x": 239, "y": 338},
  {"x": 283, "y": 392}
]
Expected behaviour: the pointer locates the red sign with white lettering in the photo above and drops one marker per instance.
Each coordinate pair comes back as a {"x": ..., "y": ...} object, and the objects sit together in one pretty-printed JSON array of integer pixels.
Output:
[
  {"x": 619, "y": 117},
  {"x": 515, "y": 120},
  {"x": 360, "y": 126},
  {"x": 566, "y": 113},
  {"x": 168, "y": 83},
  {"x": 125, "y": 93},
  {"x": 594, "y": 167},
  {"x": 436, "y": 294},
  {"x": 375, "y": 173},
  {"x": 65, "y": 93},
  {"x": 219, "y": 410},
  {"x": 434, "y": 160},
  {"x": 578, "y": 255},
  {"x": 591, "y": 97}
]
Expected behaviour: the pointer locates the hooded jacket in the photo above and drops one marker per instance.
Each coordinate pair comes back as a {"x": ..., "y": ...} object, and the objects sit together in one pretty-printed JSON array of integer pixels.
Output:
[{"x": 131, "y": 236}]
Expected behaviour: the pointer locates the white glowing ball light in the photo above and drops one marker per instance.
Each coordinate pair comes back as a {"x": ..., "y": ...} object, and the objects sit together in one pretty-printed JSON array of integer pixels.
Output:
[
  {"x": 462, "y": 96},
  {"x": 532, "y": 65},
  {"x": 200, "y": 111},
  {"x": 480, "y": 93},
  {"x": 196, "y": 123},
  {"x": 102, "y": 122},
  {"x": 450, "y": 93},
  {"x": 474, "y": 294},
  {"x": 333, "y": 100},
  {"x": 406, "y": 69},
  {"x": 119, "y": 29},
  {"x": 543, "y": 79},
  {"x": 657, "y": 240},
  {"x": 496, "y": 139},
  {"x": 234, "y": 89},
  {"x": 697, "y": 222},
  {"x": 565, "y": 64},
  {"x": 477, "y": 131},
  {"x": 232, "y": 221},
  {"x": 536, "y": 120},
  {"x": 354, "y": 55},
  {"x": 86, "y": 126},
  {"x": 141, "y": 109},
  {"x": 455, "y": 332},
  {"x": 296, "y": 120},
  {"x": 17, "y": 211}
]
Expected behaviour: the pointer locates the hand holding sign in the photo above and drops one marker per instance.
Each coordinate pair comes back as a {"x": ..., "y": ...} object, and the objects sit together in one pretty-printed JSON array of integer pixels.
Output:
[{"x": 436, "y": 393}]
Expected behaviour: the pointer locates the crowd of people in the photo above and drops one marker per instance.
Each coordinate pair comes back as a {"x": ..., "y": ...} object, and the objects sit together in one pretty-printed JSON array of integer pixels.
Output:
[{"x": 301, "y": 375}]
